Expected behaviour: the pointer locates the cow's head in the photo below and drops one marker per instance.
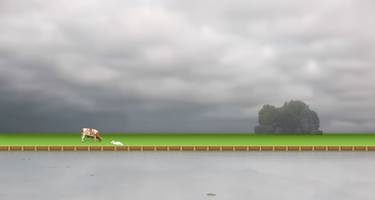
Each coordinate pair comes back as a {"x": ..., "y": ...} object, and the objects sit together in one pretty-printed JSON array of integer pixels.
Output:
[{"x": 99, "y": 137}]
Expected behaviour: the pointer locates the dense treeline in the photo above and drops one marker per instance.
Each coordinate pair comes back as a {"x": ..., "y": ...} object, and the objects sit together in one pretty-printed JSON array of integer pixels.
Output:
[{"x": 294, "y": 117}]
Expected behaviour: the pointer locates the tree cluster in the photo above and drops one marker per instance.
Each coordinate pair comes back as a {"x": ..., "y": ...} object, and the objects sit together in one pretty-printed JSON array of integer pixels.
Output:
[{"x": 294, "y": 117}]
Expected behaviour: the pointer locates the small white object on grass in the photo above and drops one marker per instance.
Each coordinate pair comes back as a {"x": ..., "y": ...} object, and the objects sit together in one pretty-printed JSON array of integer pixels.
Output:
[{"x": 117, "y": 143}]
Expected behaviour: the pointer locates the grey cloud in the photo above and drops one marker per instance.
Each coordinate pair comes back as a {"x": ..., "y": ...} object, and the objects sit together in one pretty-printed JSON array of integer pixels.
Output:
[{"x": 184, "y": 66}]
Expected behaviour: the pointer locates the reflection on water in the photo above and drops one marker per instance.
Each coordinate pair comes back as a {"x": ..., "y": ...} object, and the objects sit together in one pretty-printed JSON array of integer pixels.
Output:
[{"x": 187, "y": 175}]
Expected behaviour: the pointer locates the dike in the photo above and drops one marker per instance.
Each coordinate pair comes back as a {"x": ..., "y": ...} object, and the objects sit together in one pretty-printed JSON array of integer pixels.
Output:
[{"x": 188, "y": 148}]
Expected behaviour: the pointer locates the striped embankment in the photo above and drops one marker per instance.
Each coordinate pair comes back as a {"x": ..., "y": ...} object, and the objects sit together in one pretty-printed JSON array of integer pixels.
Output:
[{"x": 187, "y": 148}]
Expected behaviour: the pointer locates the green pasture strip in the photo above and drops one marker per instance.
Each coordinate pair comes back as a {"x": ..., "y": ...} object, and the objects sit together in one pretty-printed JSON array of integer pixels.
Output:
[{"x": 136, "y": 139}]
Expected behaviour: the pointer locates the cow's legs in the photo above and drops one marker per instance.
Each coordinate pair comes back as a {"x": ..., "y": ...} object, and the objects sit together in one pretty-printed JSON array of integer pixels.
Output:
[{"x": 83, "y": 138}]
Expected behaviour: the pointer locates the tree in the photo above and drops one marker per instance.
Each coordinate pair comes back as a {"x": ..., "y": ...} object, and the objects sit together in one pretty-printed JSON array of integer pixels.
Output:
[
  {"x": 294, "y": 117},
  {"x": 268, "y": 115}
]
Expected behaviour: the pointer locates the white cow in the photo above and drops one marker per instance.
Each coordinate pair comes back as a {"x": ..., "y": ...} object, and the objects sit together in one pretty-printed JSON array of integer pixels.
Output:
[{"x": 90, "y": 132}]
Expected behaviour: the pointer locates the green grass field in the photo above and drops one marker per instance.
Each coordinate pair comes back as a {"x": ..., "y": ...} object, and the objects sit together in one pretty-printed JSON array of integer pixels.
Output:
[{"x": 190, "y": 140}]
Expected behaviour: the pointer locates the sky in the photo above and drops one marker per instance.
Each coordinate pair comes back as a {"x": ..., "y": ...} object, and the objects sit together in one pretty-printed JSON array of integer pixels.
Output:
[{"x": 183, "y": 66}]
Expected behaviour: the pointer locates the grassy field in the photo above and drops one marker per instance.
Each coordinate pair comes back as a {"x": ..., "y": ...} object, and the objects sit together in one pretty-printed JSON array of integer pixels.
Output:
[{"x": 190, "y": 140}]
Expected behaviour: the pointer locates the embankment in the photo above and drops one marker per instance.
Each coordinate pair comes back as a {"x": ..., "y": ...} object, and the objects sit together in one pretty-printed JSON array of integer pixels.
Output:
[{"x": 187, "y": 148}]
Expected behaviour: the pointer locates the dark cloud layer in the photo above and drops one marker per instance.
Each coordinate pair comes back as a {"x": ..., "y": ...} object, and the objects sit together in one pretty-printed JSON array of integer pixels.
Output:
[{"x": 183, "y": 66}]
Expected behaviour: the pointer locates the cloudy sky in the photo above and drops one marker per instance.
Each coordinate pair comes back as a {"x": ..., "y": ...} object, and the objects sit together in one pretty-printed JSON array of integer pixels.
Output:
[{"x": 183, "y": 66}]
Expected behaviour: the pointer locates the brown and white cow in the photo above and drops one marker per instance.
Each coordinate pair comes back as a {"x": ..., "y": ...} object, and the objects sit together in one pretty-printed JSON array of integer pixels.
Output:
[{"x": 90, "y": 132}]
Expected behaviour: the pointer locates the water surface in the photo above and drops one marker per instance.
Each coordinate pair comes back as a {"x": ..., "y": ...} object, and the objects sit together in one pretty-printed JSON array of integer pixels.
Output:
[{"x": 187, "y": 175}]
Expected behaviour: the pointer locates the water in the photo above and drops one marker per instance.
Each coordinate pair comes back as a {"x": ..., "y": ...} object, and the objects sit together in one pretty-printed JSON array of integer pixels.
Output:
[{"x": 187, "y": 175}]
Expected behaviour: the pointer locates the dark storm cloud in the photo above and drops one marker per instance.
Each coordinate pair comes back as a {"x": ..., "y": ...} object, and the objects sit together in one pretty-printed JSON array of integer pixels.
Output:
[{"x": 167, "y": 66}]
